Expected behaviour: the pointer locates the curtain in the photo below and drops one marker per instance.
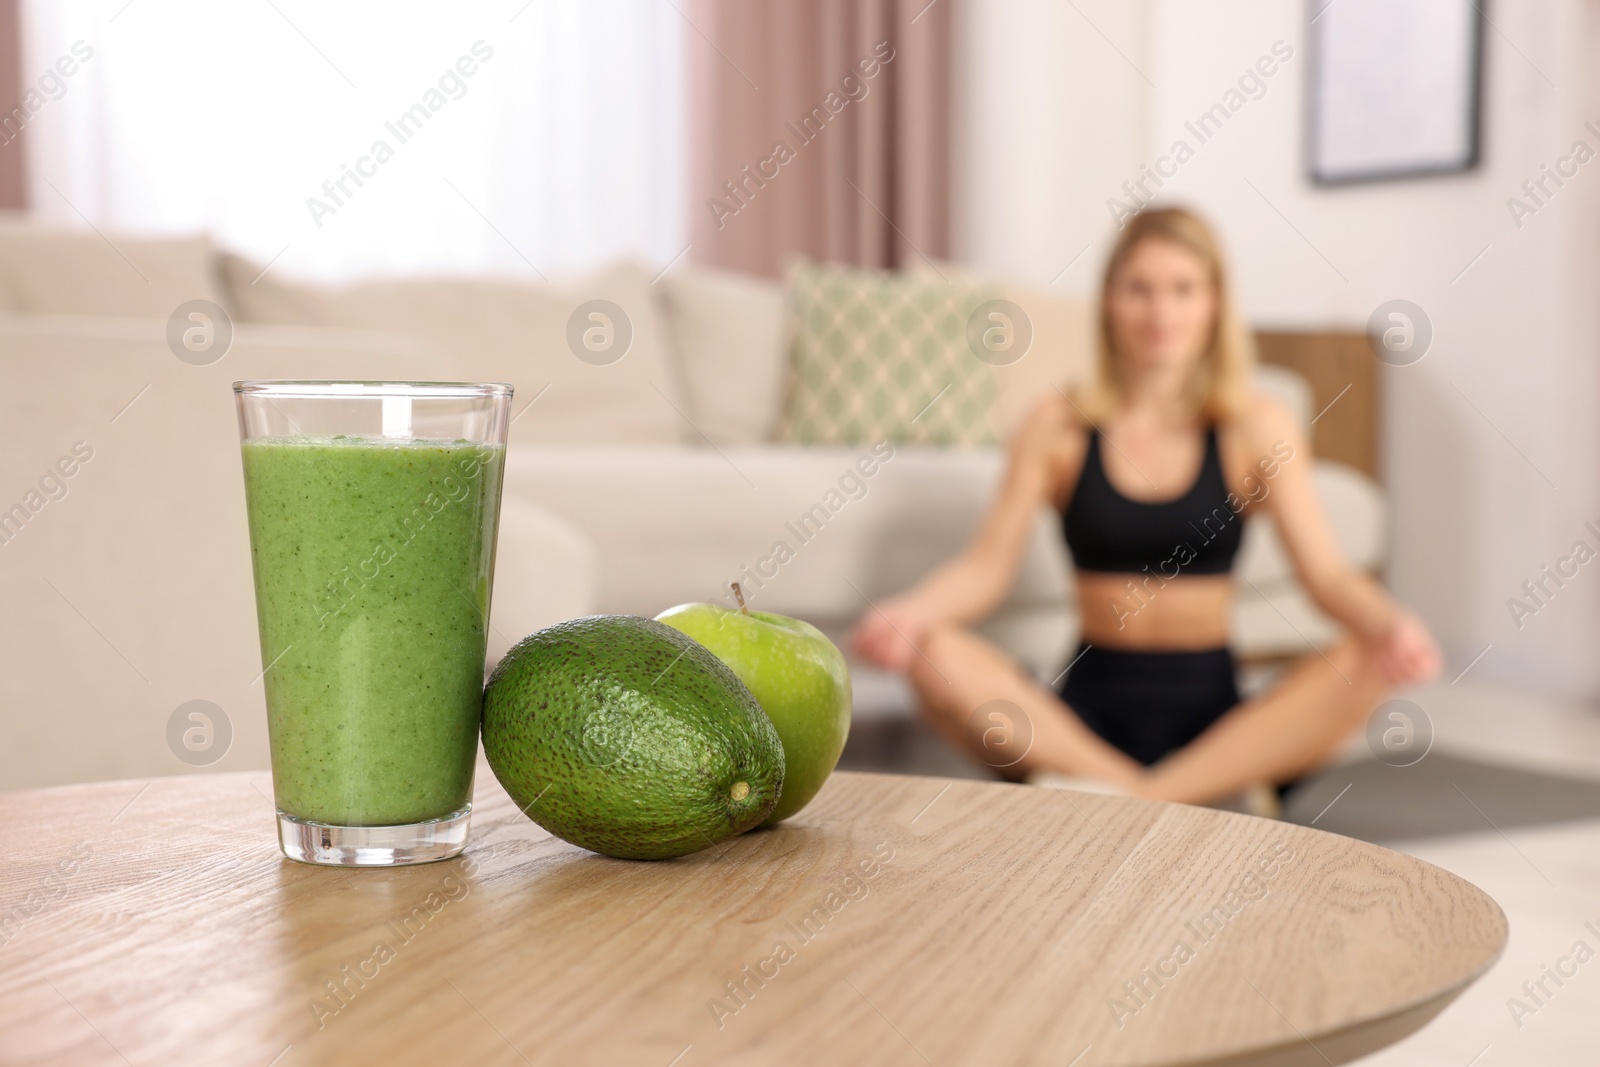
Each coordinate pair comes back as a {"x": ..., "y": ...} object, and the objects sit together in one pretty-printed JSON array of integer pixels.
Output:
[
  {"x": 360, "y": 138},
  {"x": 818, "y": 127},
  {"x": 13, "y": 119}
]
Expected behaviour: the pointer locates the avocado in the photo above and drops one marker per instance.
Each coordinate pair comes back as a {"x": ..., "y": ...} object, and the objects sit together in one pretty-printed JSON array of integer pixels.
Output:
[{"x": 626, "y": 737}]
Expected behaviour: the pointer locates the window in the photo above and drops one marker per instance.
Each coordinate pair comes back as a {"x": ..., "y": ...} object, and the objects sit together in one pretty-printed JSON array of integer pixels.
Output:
[{"x": 342, "y": 140}]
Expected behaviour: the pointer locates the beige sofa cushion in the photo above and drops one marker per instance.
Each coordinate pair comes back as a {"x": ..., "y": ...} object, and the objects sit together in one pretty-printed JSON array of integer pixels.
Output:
[
  {"x": 128, "y": 587},
  {"x": 545, "y": 571},
  {"x": 1061, "y": 349},
  {"x": 880, "y": 354},
  {"x": 509, "y": 331},
  {"x": 716, "y": 516},
  {"x": 730, "y": 338},
  {"x": 55, "y": 270},
  {"x": 849, "y": 518}
]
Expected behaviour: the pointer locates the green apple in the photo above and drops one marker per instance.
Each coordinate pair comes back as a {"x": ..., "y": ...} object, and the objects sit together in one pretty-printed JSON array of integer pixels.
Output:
[{"x": 798, "y": 676}]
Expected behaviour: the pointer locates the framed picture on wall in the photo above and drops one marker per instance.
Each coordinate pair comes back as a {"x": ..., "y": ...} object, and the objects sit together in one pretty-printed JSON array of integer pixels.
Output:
[{"x": 1395, "y": 88}]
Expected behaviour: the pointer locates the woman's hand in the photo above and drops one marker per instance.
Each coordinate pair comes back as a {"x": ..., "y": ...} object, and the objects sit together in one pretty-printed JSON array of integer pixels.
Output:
[
  {"x": 973, "y": 583},
  {"x": 1407, "y": 654},
  {"x": 888, "y": 633}
]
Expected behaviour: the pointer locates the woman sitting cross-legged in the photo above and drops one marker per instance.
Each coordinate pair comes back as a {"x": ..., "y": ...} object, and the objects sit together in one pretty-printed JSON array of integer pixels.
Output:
[{"x": 1154, "y": 469}]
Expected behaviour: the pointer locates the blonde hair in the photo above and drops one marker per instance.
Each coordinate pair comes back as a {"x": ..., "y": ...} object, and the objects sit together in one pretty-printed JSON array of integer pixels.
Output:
[{"x": 1221, "y": 381}]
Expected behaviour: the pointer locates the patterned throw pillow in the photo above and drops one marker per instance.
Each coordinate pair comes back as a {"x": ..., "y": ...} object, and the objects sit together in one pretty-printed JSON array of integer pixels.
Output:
[{"x": 878, "y": 355}]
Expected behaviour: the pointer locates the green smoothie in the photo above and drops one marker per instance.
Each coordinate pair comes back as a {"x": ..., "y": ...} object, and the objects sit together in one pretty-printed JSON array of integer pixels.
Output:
[{"x": 372, "y": 559}]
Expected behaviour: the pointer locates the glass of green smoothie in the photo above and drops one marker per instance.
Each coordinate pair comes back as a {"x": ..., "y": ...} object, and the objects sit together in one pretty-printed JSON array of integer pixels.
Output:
[{"x": 373, "y": 508}]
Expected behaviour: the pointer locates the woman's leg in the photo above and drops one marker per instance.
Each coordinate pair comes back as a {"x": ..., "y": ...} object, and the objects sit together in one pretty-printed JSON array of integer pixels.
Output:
[
  {"x": 956, "y": 672},
  {"x": 1293, "y": 728}
]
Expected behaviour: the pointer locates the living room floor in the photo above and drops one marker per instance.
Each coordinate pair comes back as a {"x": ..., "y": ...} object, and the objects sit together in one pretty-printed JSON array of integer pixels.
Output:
[{"x": 1505, "y": 798}]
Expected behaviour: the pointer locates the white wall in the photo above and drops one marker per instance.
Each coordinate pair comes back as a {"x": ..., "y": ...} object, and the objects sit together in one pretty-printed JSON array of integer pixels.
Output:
[
  {"x": 222, "y": 118},
  {"x": 1048, "y": 117},
  {"x": 1474, "y": 513}
]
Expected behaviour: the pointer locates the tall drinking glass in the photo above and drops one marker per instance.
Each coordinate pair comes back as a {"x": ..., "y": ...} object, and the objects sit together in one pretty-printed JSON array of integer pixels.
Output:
[{"x": 373, "y": 509}]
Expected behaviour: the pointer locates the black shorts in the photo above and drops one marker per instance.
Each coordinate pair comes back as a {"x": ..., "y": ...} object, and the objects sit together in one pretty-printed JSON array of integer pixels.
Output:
[{"x": 1150, "y": 703}]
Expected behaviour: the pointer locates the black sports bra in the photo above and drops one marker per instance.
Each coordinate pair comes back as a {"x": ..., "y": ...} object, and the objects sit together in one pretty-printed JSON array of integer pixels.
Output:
[{"x": 1196, "y": 533}]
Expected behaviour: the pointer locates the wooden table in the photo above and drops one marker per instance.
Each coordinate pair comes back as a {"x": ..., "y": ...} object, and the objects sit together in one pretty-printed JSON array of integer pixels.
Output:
[{"x": 898, "y": 920}]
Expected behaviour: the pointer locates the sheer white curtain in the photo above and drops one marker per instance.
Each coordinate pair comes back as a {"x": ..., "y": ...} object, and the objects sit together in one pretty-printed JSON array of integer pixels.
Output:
[{"x": 366, "y": 138}]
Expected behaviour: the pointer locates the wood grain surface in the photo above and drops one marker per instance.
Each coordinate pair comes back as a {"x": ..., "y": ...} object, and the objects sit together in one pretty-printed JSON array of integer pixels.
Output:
[
  {"x": 897, "y": 920},
  {"x": 1345, "y": 378}
]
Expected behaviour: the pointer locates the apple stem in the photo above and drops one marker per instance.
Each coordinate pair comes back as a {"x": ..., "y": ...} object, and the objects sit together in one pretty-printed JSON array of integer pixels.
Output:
[{"x": 738, "y": 594}]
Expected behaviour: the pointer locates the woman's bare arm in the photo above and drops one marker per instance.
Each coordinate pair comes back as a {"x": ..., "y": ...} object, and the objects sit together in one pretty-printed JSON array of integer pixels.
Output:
[
  {"x": 973, "y": 584},
  {"x": 1349, "y": 596}
]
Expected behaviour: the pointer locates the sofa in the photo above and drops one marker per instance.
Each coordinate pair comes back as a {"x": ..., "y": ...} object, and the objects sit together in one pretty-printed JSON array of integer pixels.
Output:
[{"x": 634, "y": 481}]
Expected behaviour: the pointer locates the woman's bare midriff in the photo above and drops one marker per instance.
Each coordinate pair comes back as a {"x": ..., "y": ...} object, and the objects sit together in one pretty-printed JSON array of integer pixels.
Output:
[{"x": 1138, "y": 612}]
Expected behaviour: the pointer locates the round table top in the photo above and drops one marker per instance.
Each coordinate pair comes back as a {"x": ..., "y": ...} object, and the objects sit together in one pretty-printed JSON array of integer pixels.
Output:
[{"x": 897, "y": 920}]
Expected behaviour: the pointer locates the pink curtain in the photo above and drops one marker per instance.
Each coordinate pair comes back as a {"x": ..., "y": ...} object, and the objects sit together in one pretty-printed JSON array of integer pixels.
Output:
[
  {"x": 818, "y": 127},
  {"x": 13, "y": 174}
]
